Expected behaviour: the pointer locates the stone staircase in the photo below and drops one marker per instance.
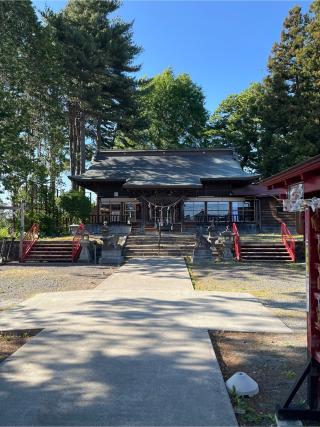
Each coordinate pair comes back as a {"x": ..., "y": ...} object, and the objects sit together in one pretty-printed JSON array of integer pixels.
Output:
[
  {"x": 146, "y": 245},
  {"x": 264, "y": 252},
  {"x": 50, "y": 251}
]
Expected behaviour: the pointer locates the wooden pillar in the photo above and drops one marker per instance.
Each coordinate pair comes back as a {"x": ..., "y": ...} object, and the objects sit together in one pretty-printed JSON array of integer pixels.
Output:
[
  {"x": 143, "y": 215},
  {"x": 312, "y": 247},
  {"x": 181, "y": 205},
  {"x": 98, "y": 209}
]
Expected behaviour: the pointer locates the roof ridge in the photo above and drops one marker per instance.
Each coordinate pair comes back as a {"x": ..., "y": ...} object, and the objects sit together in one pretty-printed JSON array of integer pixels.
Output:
[
  {"x": 171, "y": 150},
  {"x": 120, "y": 153}
]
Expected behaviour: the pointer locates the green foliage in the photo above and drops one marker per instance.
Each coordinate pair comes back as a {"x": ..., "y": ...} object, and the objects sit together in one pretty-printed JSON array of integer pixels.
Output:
[
  {"x": 97, "y": 59},
  {"x": 4, "y": 232},
  {"x": 76, "y": 205},
  {"x": 275, "y": 124},
  {"x": 47, "y": 223},
  {"x": 237, "y": 123},
  {"x": 172, "y": 108}
]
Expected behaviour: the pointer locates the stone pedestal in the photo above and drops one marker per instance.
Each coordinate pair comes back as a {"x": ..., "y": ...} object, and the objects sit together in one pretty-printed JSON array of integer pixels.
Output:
[
  {"x": 112, "y": 250},
  {"x": 202, "y": 255},
  {"x": 87, "y": 253},
  {"x": 219, "y": 245},
  {"x": 228, "y": 244},
  {"x": 111, "y": 256},
  {"x": 202, "y": 251}
]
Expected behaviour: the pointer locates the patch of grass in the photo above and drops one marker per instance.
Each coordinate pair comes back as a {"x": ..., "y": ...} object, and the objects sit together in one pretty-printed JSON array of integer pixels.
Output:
[
  {"x": 189, "y": 268},
  {"x": 272, "y": 360},
  {"x": 66, "y": 237},
  {"x": 248, "y": 415},
  {"x": 20, "y": 272},
  {"x": 11, "y": 341}
]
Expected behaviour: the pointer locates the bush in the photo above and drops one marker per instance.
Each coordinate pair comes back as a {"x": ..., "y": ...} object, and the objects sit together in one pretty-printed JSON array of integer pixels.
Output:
[
  {"x": 4, "y": 232},
  {"x": 45, "y": 221},
  {"x": 76, "y": 205}
]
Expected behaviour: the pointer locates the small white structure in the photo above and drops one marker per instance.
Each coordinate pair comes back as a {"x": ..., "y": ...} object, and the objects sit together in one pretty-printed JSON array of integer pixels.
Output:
[{"x": 242, "y": 385}]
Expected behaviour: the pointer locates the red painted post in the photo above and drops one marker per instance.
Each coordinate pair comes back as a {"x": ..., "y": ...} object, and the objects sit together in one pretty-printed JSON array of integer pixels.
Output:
[{"x": 313, "y": 305}]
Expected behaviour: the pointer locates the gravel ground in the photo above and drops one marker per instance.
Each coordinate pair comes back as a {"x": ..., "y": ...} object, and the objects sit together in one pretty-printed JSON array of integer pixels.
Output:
[
  {"x": 274, "y": 361},
  {"x": 280, "y": 287},
  {"x": 19, "y": 282}
]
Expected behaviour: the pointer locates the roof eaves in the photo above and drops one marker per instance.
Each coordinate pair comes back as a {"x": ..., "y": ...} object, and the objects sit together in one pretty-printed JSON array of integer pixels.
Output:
[{"x": 306, "y": 166}]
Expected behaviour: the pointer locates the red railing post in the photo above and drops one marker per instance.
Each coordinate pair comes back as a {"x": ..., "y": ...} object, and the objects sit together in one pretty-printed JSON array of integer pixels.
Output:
[
  {"x": 29, "y": 239},
  {"x": 237, "y": 245},
  {"x": 288, "y": 241},
  {"x": 76, "y": 246}
]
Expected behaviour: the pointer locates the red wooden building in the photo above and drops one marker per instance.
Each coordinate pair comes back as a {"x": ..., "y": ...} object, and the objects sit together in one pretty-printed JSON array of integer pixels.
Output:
[{"x": 300, "y": 188}]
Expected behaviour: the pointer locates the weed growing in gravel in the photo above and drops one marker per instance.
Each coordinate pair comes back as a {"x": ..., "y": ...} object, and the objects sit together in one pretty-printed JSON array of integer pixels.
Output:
[{"x": 249, "y": 415}]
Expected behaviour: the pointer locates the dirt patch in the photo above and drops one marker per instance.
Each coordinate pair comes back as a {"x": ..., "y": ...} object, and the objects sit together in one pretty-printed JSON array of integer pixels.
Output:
[
  {"x": 280, "y": 287},
  {"x": 12, "y": 341},
  {"x": 21, "y": 281},
  {"x": 275, "y": 361}
]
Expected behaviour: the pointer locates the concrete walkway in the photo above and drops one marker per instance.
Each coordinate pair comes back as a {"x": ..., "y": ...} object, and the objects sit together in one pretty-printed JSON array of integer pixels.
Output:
[{"x": 134, "y": 351}]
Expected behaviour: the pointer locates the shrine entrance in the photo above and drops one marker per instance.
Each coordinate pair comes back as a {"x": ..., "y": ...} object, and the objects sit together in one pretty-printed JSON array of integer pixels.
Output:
[
  {"x": 166, "y": 216},
  {"x": 162, "y": 209}
]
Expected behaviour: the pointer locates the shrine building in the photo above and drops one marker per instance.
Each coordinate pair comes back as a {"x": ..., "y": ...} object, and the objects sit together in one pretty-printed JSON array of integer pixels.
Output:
[{"x": 180, "y": 190}]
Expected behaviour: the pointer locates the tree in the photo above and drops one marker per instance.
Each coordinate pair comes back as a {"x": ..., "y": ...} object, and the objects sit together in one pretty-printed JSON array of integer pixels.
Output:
[
  {"x": 97, "y": 56},
  {"x": 311, "y": 64},
  {"x": 76, "y": 205},
  {"x": 32, "y": 138},
  {"x": 275, "y": 124},
  {"x": 286, "y": 116},
  {"x": 237, "y": 123},
  {"x": 173, "y": 109}
]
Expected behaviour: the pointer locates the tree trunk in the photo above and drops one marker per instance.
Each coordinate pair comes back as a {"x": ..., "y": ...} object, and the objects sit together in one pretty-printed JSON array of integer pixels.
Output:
[
  {"x": 99, "y": 136},
  {"x": 72, "y": 141},
  {"x": 82, "y": 142}
]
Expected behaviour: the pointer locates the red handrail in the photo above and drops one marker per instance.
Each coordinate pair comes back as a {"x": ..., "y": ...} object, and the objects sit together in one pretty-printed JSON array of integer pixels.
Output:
[
  {"x": 29, "y": 239},
  {"x": 76, "y": 246},
  {"x": 236, "y": 239},
  {"x": 288, "y": 241}
]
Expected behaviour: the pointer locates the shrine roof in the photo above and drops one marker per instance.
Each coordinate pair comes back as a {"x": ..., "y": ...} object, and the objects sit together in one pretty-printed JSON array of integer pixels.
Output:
[
  {"x": 165, "y": 168},
  {"x": 301, "y": 172}
]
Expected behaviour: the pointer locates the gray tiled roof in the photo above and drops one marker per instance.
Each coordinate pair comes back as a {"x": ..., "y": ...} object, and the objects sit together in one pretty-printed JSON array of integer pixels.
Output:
[{"x": 158, "y": 168}]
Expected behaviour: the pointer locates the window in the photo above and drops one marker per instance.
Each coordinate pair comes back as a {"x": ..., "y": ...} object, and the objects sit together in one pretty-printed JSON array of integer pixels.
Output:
[
  {"x": 242, "y": 212},
  {"x": 194, "y": 211},
  {"x": 218, "y": 210}
]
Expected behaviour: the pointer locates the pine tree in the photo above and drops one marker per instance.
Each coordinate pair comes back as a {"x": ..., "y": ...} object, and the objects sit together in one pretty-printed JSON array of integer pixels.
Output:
[
  {"x": 98, "y": 56},
  {"x": 286, "y": 138}
]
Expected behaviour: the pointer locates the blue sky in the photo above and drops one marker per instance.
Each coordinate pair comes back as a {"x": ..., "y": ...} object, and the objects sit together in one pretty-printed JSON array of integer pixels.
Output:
[{"x": 223, "y": 45}]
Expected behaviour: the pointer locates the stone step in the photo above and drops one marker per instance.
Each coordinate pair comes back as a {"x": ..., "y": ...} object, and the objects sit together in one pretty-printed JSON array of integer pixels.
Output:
[
  {"x": 49, "y": 253},
  {"x": 266, "y": 260},
  {"x": 49, "y": 260},
  {"x": 262, "y": 244},
  {"x": 264, "y": 248},
  {"x": 156, "y": 253},
  {"x": 54, "y": 242},
  {"x": 49, "y": 257},
  {"x": 162, "y": 246},
  {"x": 271, "y": 257},
  {"x": 259, "y": 249},
  {"x": 151, "y": 250},
  {"x": 52, "y": 247},
  {"x": 279, "y": 253}
]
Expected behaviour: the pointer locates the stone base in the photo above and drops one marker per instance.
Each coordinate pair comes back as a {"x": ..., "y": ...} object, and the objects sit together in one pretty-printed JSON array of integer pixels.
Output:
[
  {"x": 87, "y": 252},
  {"x": 111, "y": 257},
  {"x": 202, "y": 256}
]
